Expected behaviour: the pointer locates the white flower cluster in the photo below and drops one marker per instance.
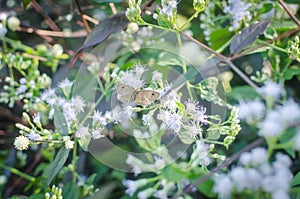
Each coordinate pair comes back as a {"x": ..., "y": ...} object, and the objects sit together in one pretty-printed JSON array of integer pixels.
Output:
[
  {"x": 133, "y": 77},
  {"x": 255, "y": 174},
  {"x": 239, "y": 11},
  {"x": 279, "y": 119},
  {"x": 23, "y": 89},
  {"x": 168, "y": 8},
  {"x": 274, "y": 122}
]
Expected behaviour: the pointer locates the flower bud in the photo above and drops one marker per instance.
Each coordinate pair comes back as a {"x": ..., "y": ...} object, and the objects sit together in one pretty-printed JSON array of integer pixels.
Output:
[{"x": 13, "y": 23}]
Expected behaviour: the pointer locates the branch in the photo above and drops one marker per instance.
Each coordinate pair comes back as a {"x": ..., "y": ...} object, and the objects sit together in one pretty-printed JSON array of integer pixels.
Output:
[
  {"x": 289, "y": 13},
  {"x": 223, "y": 59},
  {"x": 224, "y": 164},
  {"x": 48, "y": 20}
]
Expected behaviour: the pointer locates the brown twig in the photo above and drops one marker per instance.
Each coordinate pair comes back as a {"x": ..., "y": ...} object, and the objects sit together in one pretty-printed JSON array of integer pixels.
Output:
[
  {"x": 48, "y": 20},
  {"x": 85, "y": 23},
  {"x": 289, "y": 13},
  {"x": 40, "y": 32},
  {"x": 113, "y": 8},
  {"x": 224, "y": 164},
  {"x": 223, "y": 59}
]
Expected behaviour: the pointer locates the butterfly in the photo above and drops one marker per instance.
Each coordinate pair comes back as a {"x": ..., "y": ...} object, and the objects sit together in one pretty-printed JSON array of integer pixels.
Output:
[{"x": 127, "y": 94}]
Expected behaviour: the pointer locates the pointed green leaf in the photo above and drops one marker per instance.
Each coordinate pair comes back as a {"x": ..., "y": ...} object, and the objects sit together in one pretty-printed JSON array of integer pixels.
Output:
[{"x": 58, "y": 163}]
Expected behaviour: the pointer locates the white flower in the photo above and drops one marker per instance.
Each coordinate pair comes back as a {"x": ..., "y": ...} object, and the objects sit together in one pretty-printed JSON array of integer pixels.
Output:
[
  {"x": 21, "y": 142},
  {"x": 78, "y": 103},
  {"x": 164, "y": 115},
  {"x": 132, "y": 186},
  {"x": 98, "y": 117},
  {"x": 139, "y": 70},
  {"x": 147, "y": 193},
  {"x": 271, "y": 126},
  {"x": 22, "y": 89},
  {"x": 161, "y": 194},
  {"x": 251, "y": 111},
  {"x": 82, "y": 131},
  {"x": 290, "y": 112},
  {"x": 97, "y": 134},
  {"x": 238, "y": 176},
  {"x": 34, "y": 136},
  {"x": 174, "y": 122},
  {"x": 49, "y": 93},
  {"x": 259, "y": 156},
  {"x": 157, "y": 76},
  {"x": 200, "y": 115},
  {"x": 271, "y": 90},
  {"x": 223, "y": 186},
  {"x": 245, "y": 159},
  {"x": 191, "y": 107},
  {"x": 284, "y": 160},
  {"x": 279, "y": 194},
  {"x": 147, "y": 118},
  {"x": 239, "y": 12},
  {"x": 254, "y": 179},
  {"x": 68, "y": 143},
  {"x": 66, "y": 83},
  {"x": 37, "y": 118},
  {"x": 130, "y": 78},
  {"x": 13, "y": 23},
  {"x": 159, "y": 163}
]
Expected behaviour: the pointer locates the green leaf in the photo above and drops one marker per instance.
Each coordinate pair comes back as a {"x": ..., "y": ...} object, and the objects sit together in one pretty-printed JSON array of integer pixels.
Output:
[
  {"x": 173, "y": 173},
  {"x": 70, "y": 190},
  {"x": 243, "y": 92},
  {"x": 105, "y": 191},
  {"x": 220, "y": 37},
  {"x": 290, "y": 73},
  {"x": 206, "y": 186},
  {"x": 286, "y": 137},
  {"x": 60, "y": 123},
  {"x": 58, "y": 163},
  {"x": 296, "y": 180},
  {"x": 26, "y": 3},
  {"x": 37, "y": 196}
]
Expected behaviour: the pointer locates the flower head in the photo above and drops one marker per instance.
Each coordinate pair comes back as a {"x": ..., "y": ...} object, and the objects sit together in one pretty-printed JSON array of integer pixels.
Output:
[{"x": 21, "y": 142}]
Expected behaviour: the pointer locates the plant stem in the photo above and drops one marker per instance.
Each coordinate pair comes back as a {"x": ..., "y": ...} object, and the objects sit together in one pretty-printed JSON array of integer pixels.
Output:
[
  {"x": 74, "y": 160},
  {"x": 184, "y": 67},
  {"x": 17, "y": 172}
]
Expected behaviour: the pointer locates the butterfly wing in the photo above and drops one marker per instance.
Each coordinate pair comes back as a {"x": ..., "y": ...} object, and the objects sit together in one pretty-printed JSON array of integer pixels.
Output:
[
  {"x": 145, "y": 97},
  {"x": 125, "y": 93}
]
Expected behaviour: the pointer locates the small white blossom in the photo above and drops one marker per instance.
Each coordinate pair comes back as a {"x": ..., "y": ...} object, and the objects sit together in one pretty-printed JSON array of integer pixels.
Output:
[
  {"x": 66, "y": 83},
  {"x": 69, "y": 144},
  {"x": 97, "y": 134},
  {"x": 78, "y": 103},
  {"x": 259, "y": 156},
  {"x": 147, "y": 193},
  {"x": 271, "y": 90},
  {"x": 239, "y": 12},
  {"x": 157, "y": 76},
  {"x": 34, "y": 136},
  {"x": 132, "y": 186},
  {"x": 289, "y": 112},
  {"x": 223, "y": 186},
  {"x": 251, "y": 111},
  {"x": 49, "y": 93},
  {"x": 82, "y": 132},
  {"x": 21, "y": 142}
]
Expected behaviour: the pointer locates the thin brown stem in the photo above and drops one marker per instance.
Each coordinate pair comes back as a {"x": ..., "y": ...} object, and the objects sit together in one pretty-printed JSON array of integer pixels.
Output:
[
  {"x": 223, "y": 59},
  {"x": 113, "y": 8},
  {"x": 224, "y": 164},
  {"x": 85, "y": 23},
  {"x": 48, "y": 20},
  {"x": 289, "y": 13}
]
